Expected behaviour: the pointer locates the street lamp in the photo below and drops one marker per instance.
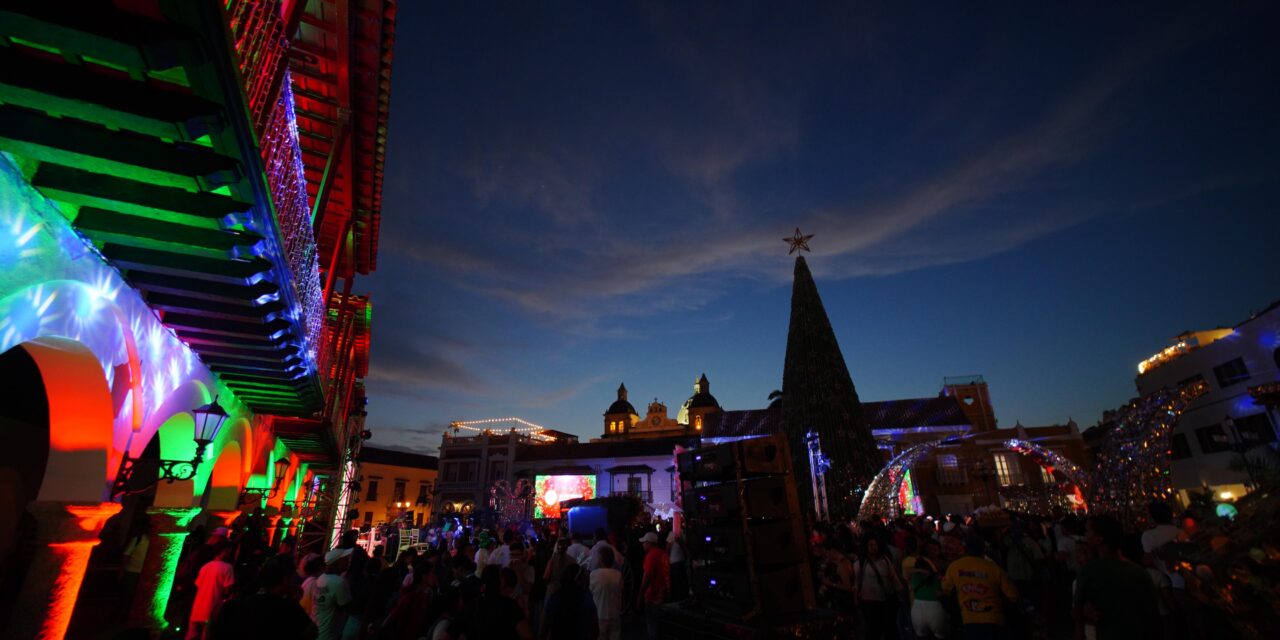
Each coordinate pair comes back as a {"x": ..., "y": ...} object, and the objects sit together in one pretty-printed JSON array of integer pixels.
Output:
[
  {"x": 255, "y": 493},
  {"x": 208, "y": 420}
]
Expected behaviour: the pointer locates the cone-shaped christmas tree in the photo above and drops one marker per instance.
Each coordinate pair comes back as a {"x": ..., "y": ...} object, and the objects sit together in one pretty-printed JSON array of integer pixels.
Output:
[{"x": 818, "y": 397}]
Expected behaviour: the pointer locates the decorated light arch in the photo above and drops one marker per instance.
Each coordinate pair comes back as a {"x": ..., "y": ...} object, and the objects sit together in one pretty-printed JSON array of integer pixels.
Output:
[
  {"x": 888, "y": 495},
  {"x": 1077, "y": 479},
  {"x": 883, "y": 494}
]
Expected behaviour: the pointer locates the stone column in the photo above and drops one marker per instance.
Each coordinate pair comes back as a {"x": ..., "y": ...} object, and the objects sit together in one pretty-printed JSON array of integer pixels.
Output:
[
  {"x": 224, "y": 518},
  {"x": 166, "y": 535},
  {"x": 271, "y": 524},
  {"x": 66, "y": 534}
]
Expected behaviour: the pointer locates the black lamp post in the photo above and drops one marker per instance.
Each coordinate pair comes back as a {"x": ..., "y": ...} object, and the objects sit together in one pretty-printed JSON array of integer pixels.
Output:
[
  {"x": 208, "y": 420},
  {"x": 254, "y": 493}
]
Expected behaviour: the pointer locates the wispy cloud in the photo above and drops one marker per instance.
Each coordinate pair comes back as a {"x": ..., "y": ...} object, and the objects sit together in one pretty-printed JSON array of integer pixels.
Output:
[
  {"x": 893, "y": 233},
  {"x": 557, "y": 396},
  {"x": 420, "y": 439},
  {"x": 412, "y": 361}
]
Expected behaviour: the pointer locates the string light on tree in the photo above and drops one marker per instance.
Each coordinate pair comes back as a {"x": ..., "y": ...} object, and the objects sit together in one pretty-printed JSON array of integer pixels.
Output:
[{"x": 1132, "y": 461}]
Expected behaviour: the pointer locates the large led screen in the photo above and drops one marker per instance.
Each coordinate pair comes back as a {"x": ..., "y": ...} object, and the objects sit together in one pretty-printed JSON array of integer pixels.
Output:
[{"x": 550, "y": 491}]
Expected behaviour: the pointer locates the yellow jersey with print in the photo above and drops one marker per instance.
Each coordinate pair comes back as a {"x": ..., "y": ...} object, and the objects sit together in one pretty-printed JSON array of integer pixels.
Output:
[{"x": 979, "y": 585}]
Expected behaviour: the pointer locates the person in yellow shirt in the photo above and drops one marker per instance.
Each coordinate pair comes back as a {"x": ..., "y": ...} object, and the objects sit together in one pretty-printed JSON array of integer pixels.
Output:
[{"x": 979, "y": 584}]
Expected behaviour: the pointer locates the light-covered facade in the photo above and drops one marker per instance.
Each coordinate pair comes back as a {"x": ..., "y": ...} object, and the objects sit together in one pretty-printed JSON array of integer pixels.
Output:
[{"x": 1229, "y": 425}]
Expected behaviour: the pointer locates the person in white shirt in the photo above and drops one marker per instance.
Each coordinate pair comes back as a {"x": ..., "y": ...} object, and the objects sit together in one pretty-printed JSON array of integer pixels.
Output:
[
  {"x": 606, "y": 591},
  {"x": 1163, "y": 533},
  {"x": 483, "y": 554},
  {"x": 501, "y": 556},
  {"x": 313, "y": 568},
  {"x": 679, "y": 570},
  {"x": 601, "y": 545},
  {"x": 332, "y": 594},
  {"x": 578, "y": 551}
]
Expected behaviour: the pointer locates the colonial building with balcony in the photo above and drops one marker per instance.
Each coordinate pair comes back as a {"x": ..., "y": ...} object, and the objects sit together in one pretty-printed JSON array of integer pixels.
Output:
[
  {"x": 188, "y": 190},
  {"x": 473, "y": 459}
]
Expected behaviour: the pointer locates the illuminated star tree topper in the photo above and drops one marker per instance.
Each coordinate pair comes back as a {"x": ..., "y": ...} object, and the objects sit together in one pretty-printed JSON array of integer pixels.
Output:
[{"x": 798, "y": 242}]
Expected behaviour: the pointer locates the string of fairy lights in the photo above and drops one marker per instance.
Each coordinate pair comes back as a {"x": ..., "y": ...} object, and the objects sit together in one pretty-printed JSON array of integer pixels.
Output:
[{"x": 535, "y": 431}]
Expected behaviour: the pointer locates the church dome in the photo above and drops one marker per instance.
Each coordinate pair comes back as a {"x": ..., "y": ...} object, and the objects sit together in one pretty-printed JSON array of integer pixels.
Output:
[
  {"x": 621, "y": 405},
  {"x": 701, "y": 397}
]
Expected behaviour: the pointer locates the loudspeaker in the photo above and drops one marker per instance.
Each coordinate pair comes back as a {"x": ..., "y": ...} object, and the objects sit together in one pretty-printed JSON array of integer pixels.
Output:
[
  {"x": 779, "y": 542},
  {"x": 755, "y": 456},
  {"x": 729, "y": 589},
  {"x": 747, "y": 545},
  {"x": 756, "y": 498}
]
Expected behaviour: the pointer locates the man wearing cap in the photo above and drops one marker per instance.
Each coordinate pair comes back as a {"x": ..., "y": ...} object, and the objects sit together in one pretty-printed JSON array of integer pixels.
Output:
[
  {"x": 332, "y": 594},
  {"x": 657, "y": 579}
]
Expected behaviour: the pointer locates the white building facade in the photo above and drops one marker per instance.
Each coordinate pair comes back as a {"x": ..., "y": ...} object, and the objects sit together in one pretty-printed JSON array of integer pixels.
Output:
[{"x": 1229, "y": 425}]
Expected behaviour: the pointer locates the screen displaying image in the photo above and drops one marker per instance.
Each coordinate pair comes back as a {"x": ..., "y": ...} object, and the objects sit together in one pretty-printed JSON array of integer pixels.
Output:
[{"x": 550, "y": 491}]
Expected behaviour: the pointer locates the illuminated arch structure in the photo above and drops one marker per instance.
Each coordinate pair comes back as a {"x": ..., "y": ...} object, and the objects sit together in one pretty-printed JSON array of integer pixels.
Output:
[
  {"x": 882, "y": 496},
  {"x": 885, "y": 495},
  {"x": 1077, "y": 479},
  {"x": 1131, "y": 466}
]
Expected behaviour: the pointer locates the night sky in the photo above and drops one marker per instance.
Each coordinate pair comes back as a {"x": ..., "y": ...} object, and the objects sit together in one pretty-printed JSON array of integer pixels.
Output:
[{"x": 578, "y": 195}]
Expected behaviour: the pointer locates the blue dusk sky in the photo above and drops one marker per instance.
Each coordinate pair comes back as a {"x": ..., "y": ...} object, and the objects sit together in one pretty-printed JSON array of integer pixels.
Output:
[{"x": 582, "y": 194}]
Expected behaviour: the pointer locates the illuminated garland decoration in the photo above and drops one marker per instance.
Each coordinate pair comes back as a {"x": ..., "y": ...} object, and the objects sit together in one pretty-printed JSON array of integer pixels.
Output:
[
  {"x": 261, "y": 46},
  {"x": 257, "y": 28},
  {"x": 1132, "y": 460},
  {"x": 881, "y": 498},
  {"x": 286, "y": 175},
  {"x": 527, "y": 428}
]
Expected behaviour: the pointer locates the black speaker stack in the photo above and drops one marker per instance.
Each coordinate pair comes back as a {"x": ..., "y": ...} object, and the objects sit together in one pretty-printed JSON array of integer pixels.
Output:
[{"x": 745, "y": 536}]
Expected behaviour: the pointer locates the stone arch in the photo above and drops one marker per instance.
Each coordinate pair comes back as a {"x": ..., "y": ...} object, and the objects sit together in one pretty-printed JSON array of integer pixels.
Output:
[
  {"x": 87, "y": 315},
  {"x": 80, "y": 420},
  {"x": 176, "y": 434},
  {"x": 24, "y": 424}
]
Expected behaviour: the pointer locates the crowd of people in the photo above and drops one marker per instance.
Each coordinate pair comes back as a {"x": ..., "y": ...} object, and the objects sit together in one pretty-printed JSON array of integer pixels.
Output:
[
  {"x": 997, "y": 574},
  {"x": 462, "y": 583},
  {"x": 992, "y": 574}
]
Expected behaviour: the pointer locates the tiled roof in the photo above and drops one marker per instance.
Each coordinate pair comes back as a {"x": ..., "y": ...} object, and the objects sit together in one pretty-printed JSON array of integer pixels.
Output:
[
  {"x": 397, "y": 458},
  {"x": 936, "y": 411},
  {"x": 890, "y": 414},
  {"x": 742, "y": 424}
]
